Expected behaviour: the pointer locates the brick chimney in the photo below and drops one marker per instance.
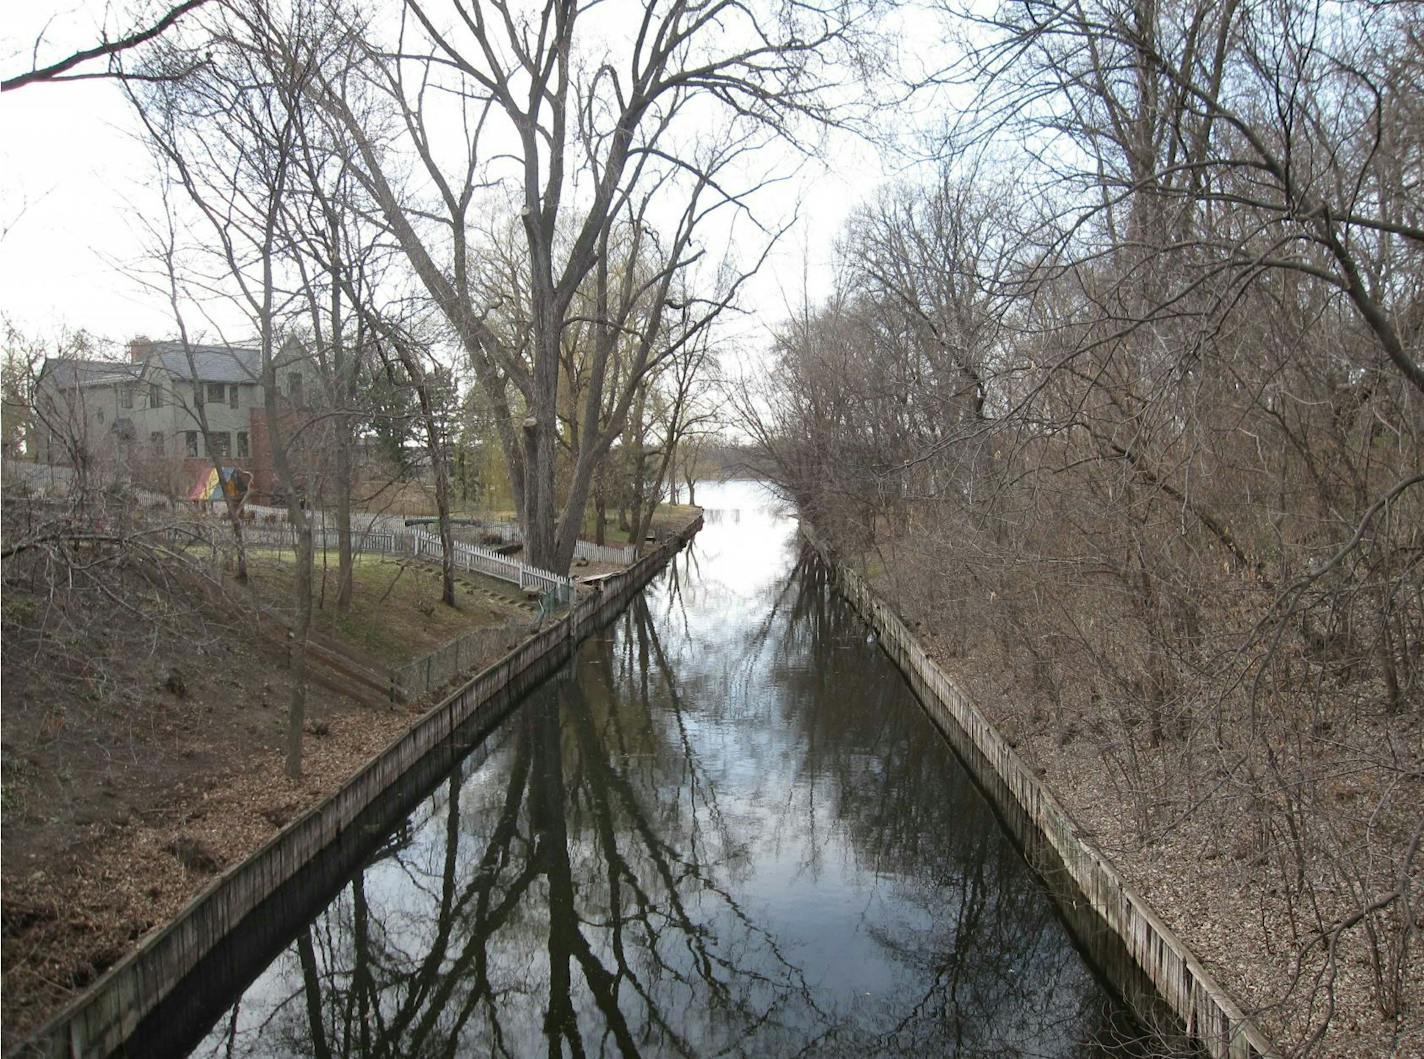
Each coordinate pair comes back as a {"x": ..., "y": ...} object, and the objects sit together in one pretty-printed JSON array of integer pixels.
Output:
[{"x": 139, "y": 348}]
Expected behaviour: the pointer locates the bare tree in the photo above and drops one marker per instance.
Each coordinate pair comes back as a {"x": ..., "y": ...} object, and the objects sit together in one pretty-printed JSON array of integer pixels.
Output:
[
  {"x": 1140, "y": 440},
  {"x": 105, "y": 49},
  {"x": 401, "y": 344},
  {"x": 166, "y": 250},
  {"x": 1222, "y": 143},
  {"x": 230, "y": 133},
  {"x": 585, "y": 148}
]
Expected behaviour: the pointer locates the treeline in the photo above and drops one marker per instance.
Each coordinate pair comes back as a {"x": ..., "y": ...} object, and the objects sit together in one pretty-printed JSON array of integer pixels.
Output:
[
  {"x": 558, "y": 213},
  {"x": 546, "y": 201},
  {"x": 1126, "y": 406},
  {"x": 549, "y": 206}
]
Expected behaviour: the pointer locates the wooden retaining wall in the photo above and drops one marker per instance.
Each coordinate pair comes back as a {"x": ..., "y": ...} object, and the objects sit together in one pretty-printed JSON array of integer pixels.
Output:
[
  {"x": 1153, "y": 953},
  {"x": 137, "y": 1000}
]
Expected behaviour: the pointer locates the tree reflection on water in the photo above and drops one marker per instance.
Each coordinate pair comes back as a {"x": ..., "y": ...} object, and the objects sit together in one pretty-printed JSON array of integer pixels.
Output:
[{"x": 728, "y": 830}]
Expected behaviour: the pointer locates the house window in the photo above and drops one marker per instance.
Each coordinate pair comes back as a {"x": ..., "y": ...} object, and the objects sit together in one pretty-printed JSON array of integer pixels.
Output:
[
  {"x": 155, "y": 395},
  {"x": 155, "y": 442},
  {"x": 216, "y": 392},
  {"x": 294, "y": 388},
  {"x": 99, "y": 415},
  {"x": 126, "y": 395},
  {"x": 124, "y": 428},
  {"x": 232, "y": 396},
  {"x": 242, "y": 448},
  {"x": 220, "y": 443},
  {"x": 190, "y": 438}
]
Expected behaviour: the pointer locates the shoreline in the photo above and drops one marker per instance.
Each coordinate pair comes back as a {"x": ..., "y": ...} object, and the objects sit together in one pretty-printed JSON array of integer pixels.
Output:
[
  {"x": 1199, "y": 876},
  {"x": 1145, "y": 959},
  {"x": 135, "y": 988}
]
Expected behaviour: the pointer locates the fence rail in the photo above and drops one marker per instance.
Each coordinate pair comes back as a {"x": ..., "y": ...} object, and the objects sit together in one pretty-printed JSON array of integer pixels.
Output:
[
  {"x": 594, "y": 553},
  {"x": 446, "y": 662},
  {"x": 362, "y": 520},
  {"x": 450, "y": 660},
  {"x": 488, "y": 561},
  {"x": 510, "y": 532},
  {"x": 422, "y": 545},
  {"x": 283, "y": 536},
  {"x": 322, "y": 539},
  {"x": 605, "y": 553}
]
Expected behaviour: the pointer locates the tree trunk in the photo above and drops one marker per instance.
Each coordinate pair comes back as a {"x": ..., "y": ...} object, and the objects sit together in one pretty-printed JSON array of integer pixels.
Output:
[
  {"x": 447, "y": 537},
  {"x": 540, "y": 543},
  {"x": 200, "y": 412},
  {"x": 635, "y": 505},
  {"x": 410, "y": 360},
  {"x": 301, "y": 531},
  {"x": 346, "y": 558},
  {"x": 235, "y": 518},
  {"x": 442, "y": 482}
]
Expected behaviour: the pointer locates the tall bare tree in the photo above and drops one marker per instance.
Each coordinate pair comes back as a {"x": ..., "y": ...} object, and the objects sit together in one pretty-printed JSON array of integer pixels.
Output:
[
  {"x": 230, "y": 133},
  {"x": 1142, "y": 438},
  {"x": 588, "y": 134}
]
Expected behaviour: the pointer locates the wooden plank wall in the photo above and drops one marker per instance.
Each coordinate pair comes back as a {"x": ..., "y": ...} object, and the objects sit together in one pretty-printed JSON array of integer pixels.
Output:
[
  {"x": 101, "y": 1020},
  {"x": 1206, "y": 1012}
]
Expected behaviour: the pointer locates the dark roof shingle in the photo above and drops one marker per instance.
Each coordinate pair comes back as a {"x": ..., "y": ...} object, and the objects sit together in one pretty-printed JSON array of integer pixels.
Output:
[
  {"x": 67, "y": 372},
  {"x": 212, "y": 363}
]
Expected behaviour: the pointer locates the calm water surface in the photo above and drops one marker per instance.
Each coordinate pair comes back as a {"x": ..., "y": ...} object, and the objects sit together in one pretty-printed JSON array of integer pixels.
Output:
[{"x": 726, "y": 829}]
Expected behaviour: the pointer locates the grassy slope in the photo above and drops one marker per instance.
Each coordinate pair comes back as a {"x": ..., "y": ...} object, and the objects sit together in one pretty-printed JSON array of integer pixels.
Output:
[{"x": 396, "y": 614}]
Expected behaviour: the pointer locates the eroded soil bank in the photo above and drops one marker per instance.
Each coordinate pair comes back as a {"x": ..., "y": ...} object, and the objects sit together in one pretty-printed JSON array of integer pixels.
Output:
[{"x": 141, "y": 759}]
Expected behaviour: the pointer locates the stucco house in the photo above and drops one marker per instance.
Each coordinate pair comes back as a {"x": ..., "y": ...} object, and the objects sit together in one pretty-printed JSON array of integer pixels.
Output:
[{"x": 143, "y": 414}]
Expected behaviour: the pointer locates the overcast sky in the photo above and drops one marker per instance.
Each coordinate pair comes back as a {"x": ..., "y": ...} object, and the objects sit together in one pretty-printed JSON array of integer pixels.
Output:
[{"x": 75, "y": 178}]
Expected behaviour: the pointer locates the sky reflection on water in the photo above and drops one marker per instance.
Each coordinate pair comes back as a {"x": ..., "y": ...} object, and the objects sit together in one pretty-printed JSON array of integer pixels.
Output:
[{"x": 727, "y": 829}]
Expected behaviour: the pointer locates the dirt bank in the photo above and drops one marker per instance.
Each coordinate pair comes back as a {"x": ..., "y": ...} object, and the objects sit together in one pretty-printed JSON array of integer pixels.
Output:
[
  {"x": 143, "y": 740},
  {"x": 1174, "y": 823},
  {"x": 143, "y": 748}
]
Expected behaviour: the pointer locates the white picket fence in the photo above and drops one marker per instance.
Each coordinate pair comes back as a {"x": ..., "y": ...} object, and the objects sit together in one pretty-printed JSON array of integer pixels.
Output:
[
  {"x": 282, "y": 536},
  {"x": 488, "y": 561},
  {"x": 364, "y": 521},
  {"x": 416, "y": 541},
  {"x": 508, "y": 531},
  {"x": 470, "y": 556},
  {"x": 605, "y": 553},
  {"x": 594, "y": 553}
]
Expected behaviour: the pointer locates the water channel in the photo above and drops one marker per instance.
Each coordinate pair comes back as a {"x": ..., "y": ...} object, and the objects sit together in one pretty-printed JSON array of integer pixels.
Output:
[{"x": 726, "y": 828}]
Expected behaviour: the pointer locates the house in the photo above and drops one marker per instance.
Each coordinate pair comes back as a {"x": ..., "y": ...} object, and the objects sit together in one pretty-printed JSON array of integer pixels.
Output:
[{"x": 143, "y": 415}]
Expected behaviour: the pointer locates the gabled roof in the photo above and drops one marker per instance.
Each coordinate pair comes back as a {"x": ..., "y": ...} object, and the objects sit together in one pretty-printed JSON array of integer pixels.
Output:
[
  {"x": 67, "y": 372},
  {"x": 210, "y": 363}
]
